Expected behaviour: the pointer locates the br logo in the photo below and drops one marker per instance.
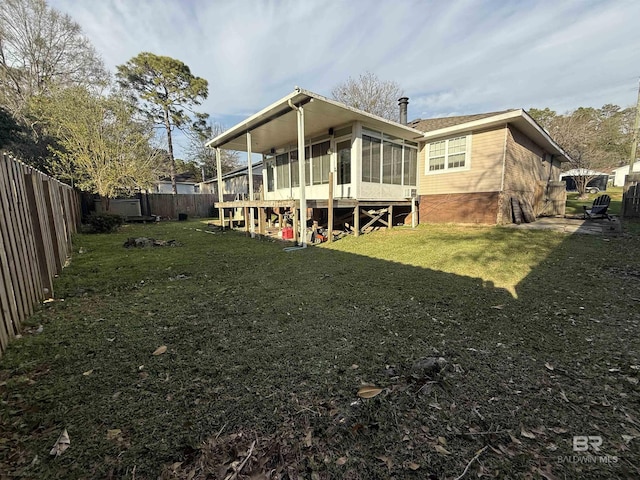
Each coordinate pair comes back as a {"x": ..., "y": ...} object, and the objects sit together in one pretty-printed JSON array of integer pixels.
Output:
[{"x": 582, "y": 443}]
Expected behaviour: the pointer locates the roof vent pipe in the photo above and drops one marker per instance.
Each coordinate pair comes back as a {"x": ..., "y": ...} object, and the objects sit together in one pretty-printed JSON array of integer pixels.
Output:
[{"x": 403, "y": 102}]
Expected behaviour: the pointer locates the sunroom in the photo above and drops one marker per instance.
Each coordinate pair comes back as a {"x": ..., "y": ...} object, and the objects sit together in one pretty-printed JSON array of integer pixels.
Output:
[
  {"x": 320, "y": 154},
  {"x": 385, "y": 169}
]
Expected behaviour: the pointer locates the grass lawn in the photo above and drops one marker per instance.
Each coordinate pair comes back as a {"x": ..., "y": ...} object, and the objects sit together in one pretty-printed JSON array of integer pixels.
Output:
[
  {"x": 267, "y": 350},
  {"x": 574, "y": 204}
]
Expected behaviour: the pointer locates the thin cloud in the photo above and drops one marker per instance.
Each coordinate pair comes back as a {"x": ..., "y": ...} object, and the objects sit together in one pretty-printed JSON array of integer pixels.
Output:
[{"x": 449, "y": 57}]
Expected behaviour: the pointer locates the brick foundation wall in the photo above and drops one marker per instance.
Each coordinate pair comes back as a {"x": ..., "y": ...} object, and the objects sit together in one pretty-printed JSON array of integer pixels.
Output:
[{"x": 460, "y": 208}]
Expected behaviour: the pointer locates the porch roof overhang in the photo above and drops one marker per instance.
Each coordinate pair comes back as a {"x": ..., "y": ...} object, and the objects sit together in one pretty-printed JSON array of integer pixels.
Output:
[
  {"x": 519, "y": 118},
  {"x": 276, "y": 125}
]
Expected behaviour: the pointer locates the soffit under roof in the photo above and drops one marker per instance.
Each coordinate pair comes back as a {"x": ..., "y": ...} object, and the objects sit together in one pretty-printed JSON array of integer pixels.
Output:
[{"x": 276, "y": 125}]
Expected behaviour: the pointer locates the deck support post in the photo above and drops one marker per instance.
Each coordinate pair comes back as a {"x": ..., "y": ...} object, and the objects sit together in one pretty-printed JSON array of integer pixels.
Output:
[
  {"x": 390, "y": 217},
  {"x": 245, "y": 214},
  {"x": 261, "y": 217},
  {"x": 356, "y": 221},
  {"x": 330, "y": 210},
  {"x": 413, "y": 212},
  {"x": 296, "y": 234}
]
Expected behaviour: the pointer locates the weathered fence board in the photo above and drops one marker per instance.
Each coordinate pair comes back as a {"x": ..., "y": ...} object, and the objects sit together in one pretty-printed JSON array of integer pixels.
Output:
[
  {"x": 170, "y": 206},
  {"x": 38, "y": 216},
  {"x": 556, "y": 201},
  {"x": 631, "y": 196}
]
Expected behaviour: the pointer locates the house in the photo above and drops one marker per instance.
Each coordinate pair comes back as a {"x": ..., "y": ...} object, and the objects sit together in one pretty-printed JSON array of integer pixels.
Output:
[
  {"x": 473, "y": 168},
  {"x": 185, "y": 183},
  {"x": 620, "y": 173},
  {"x": 361, "y": 170},
  {"x": 235, "y": 184},
  {"x": 596, "y": 181}
]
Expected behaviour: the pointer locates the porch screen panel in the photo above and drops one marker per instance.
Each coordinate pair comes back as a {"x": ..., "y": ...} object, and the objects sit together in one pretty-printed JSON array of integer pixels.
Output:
[
  {"x": 410, "y": 165},
  {"x": 307, "y": 166},
  {"x": 392, "y": 163},
  {"x": 320, "y": 162},
  {"x": 270, "y": 183},
  {"x": 295, "y": 175},
  {"x": 344, "y": 162},
  {"x": 371, "y": 159},
  {"x": 282, "y": 170}
]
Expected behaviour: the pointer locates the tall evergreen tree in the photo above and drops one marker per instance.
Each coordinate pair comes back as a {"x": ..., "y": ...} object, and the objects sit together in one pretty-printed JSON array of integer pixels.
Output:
[{"x": 166, "y": 93}]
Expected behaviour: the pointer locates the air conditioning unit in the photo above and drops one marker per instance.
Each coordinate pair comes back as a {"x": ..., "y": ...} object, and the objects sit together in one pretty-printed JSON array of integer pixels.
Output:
[{"x": 410, "y": 192}]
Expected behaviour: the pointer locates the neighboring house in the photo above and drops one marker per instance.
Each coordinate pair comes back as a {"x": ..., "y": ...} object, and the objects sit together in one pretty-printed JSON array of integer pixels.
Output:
[
  {"x": 235, "y": 184},
  {"x": 472, "y": 166},
  {"x": 185, "y": 183},
  {"x": 620, "y": 173},
  {"x": 597, "y": 180},
  {"x": 461, "y": 169}
]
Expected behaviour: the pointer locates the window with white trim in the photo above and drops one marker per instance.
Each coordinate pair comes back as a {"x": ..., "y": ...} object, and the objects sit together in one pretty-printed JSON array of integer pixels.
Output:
[{"x": 450, "y": 154}]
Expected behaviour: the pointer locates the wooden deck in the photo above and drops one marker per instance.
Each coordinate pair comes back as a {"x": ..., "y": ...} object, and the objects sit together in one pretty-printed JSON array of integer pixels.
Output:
[
  {"x": 353, "y": 210},
  {"x": 337, "y": 203}
]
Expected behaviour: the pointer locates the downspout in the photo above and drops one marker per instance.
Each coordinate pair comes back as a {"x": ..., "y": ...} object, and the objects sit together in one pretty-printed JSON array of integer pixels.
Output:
[
  {"x": 302, "y": 180},
  {"x": 252, "y": 227}
]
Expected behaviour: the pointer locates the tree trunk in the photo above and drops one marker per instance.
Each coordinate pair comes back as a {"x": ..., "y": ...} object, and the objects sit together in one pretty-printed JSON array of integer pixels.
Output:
[{"x": 172, "y": 161}]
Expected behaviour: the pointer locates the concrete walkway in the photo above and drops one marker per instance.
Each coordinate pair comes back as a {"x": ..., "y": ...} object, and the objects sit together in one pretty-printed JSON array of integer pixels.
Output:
[{"x": 573, "y": 225}]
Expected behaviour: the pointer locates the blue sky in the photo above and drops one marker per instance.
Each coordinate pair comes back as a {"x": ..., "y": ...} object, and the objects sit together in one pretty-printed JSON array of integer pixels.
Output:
[{"x": 450, "y": 57}]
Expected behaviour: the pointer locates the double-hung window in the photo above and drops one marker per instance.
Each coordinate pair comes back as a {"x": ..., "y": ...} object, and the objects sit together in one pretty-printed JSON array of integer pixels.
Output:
[{"x": 450, "y": 154}]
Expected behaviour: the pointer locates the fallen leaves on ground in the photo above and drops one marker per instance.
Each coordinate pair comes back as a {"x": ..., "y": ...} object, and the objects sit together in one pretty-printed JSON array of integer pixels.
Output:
[
  {"x": 61, "y": 444},
  {"x": 160, "y": 350},
  {"x": 369, "y": 391}
]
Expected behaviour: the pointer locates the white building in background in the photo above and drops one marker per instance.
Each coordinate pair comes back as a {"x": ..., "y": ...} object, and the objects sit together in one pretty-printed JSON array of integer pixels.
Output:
[
  {"x": 185, "y": 183},
  {"x": 621, "y": 172}
]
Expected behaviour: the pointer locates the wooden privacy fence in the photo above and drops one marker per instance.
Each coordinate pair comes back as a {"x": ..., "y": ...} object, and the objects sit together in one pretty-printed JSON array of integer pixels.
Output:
[
  {"x": 38, "y": 214},
  {"x": 550, "y": 199},
  {"x": 631, "y": 196},
  {"x": 169, "y": 206}
]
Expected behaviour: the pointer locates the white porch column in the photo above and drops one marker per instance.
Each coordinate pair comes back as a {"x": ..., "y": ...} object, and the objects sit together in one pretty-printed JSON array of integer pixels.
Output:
[
  {"x": 252, "y": 227},
  {"x": 220, "y": 195},
  {"x": 303, "y": 180}
]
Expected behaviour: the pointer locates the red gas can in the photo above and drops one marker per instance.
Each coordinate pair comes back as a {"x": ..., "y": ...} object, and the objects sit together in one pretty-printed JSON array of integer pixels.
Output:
[{"x": 287, "y": 233}]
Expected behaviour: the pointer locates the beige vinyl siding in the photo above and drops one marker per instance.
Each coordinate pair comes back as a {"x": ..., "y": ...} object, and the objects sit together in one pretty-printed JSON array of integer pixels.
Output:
[
  {"x": 484, "y": 174},
  {"x": 524, "y": 163},
  {"x": 528, "y": 170}
]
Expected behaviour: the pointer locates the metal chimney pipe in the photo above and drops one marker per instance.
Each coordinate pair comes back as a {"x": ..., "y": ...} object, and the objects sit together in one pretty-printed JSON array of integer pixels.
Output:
[{"x": 403, "y": 102}]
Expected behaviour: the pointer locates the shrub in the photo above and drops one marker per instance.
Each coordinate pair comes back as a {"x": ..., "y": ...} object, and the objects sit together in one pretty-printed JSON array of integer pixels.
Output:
[{"x": 103, "y": 222}]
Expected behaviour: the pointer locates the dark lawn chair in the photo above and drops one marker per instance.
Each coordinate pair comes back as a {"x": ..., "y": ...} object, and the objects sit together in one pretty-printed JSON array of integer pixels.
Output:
[{"x": 599, "y": 208}]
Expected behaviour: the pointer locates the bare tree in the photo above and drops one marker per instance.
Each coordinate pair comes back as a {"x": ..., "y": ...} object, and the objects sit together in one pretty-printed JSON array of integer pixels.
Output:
[
  {"x": 41, "y": 47},
  {"x": 595, "y": 139},
  {"x": 371, "y": 94}
]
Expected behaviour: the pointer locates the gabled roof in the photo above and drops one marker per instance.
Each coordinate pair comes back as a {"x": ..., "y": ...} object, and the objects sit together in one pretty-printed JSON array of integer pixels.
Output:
[
  {"x": 429, "y": 124},
  {"x": 276, "y": 125},
  {"x": 443, "y": 127}
]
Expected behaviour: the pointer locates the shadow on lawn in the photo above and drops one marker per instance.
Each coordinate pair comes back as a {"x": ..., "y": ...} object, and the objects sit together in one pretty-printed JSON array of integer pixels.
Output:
[{"x": 271, "y": 347}]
